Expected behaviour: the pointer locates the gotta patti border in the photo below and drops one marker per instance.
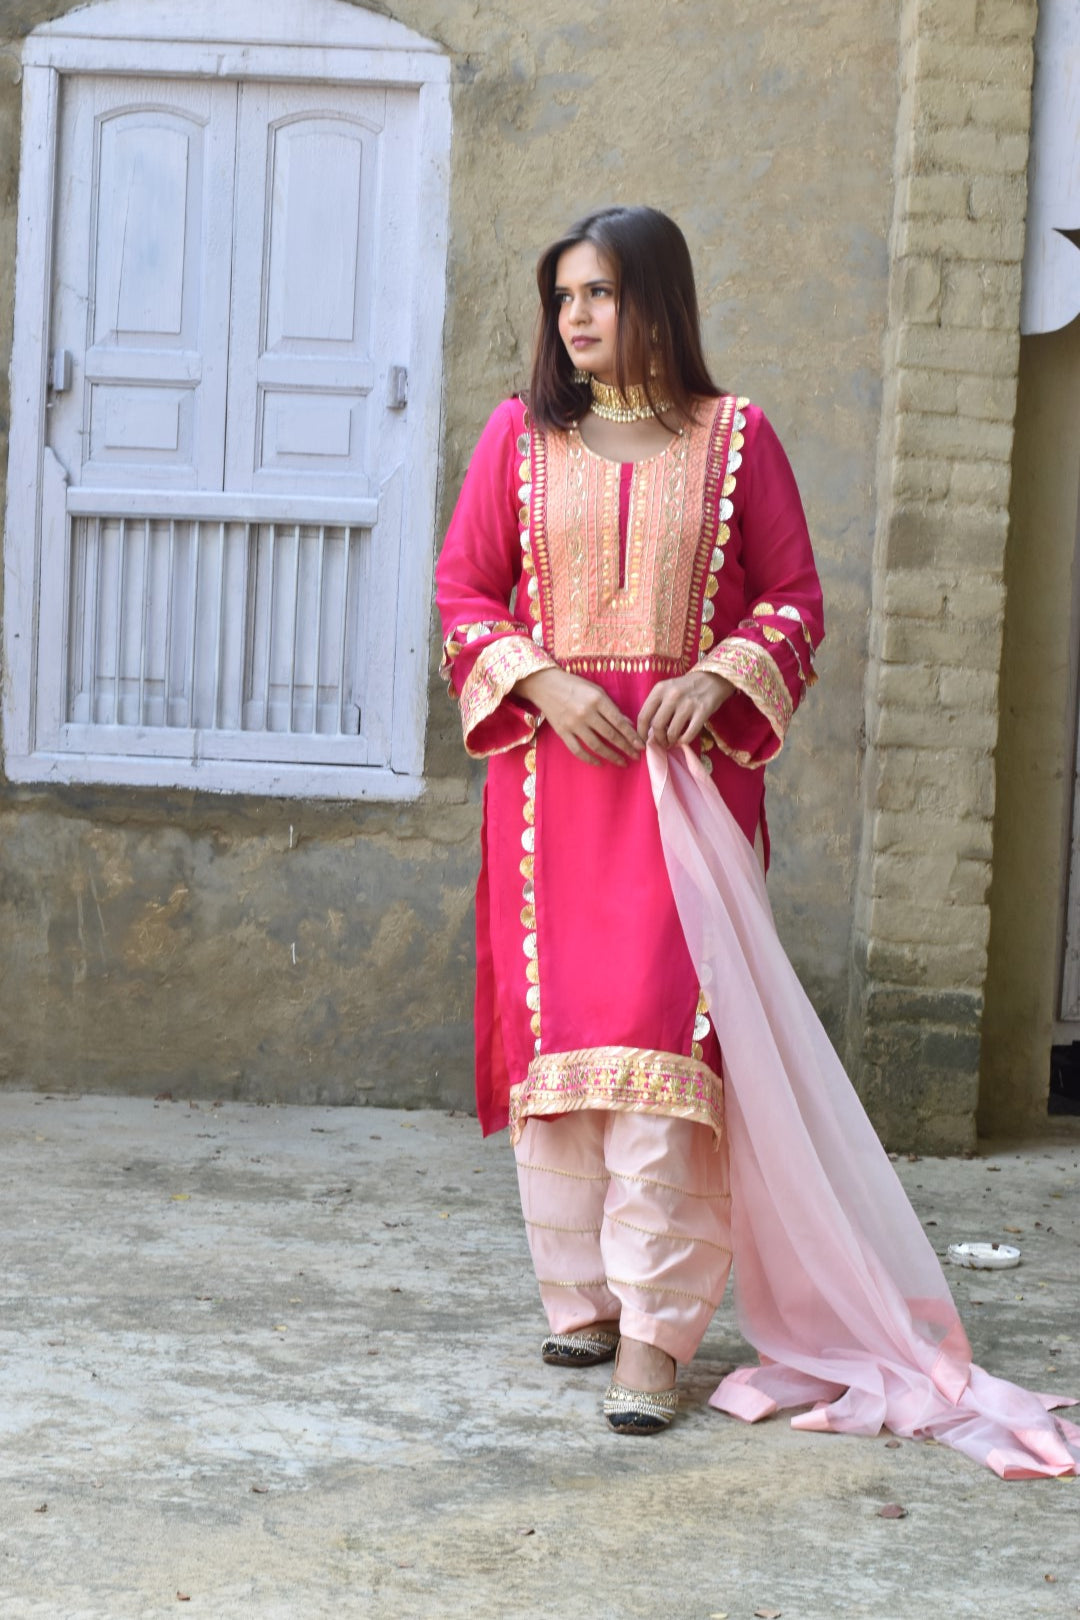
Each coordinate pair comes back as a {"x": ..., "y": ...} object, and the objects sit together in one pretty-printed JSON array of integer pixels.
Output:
[
  {"x": 626, "y": 1079},
  {"x": 497, "y": 670}
]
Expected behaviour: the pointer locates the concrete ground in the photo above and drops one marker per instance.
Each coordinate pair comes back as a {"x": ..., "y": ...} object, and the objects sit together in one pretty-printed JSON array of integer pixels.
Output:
[{"x": 282, "y": 1362}]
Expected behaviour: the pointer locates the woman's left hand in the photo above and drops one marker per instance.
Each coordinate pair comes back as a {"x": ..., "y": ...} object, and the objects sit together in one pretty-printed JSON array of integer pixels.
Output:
[{"x": 675, "y": 711}]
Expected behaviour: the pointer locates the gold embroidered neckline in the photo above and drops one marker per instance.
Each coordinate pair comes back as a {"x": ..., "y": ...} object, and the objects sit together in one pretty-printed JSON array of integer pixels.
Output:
[{"x": 679, "y": 437}]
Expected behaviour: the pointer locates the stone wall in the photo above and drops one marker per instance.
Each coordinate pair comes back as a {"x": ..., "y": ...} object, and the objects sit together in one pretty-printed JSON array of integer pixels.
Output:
[{"x": 921, "y": 910}]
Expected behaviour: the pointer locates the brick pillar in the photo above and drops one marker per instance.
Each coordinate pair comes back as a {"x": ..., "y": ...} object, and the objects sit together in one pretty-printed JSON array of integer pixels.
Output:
[{"x": 921, "y": 913}]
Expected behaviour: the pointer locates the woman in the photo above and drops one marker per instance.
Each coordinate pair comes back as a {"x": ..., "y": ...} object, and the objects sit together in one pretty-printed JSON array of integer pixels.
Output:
[
  {"x": 628, "y": 579},
  {"x": 652, "y": 535}
]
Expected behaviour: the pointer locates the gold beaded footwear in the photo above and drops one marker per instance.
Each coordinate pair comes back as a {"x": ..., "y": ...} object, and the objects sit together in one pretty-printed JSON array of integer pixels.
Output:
[
  {"x": 640, "y": 1411},
  {"x": 585, "y": 1348}
]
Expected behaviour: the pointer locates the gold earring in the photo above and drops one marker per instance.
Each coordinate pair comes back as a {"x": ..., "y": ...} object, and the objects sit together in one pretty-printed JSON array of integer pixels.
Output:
[{"x": 580, "y": 376}]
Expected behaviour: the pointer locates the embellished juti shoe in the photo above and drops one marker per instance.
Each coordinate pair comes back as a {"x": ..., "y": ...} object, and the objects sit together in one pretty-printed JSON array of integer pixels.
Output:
[
  {"x": 640, "y": 1411},
  {"x": 585, "y": 1348}
]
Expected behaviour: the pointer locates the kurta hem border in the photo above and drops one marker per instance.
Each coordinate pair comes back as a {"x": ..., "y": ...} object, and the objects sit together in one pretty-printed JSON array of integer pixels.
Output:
[{"x": 623, "y": 1079}]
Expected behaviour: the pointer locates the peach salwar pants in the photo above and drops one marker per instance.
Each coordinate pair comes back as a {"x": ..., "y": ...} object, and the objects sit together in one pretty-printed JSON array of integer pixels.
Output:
[{"x": 628, "y": 1218}]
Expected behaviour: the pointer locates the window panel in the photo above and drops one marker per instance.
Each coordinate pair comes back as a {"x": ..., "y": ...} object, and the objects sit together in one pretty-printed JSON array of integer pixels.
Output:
[
  {"x": 217, "y": 627},
  {"x": 146, "y": 225},
  {"x": 318, "y": 260},
  {"x": 210, "y": 571}
]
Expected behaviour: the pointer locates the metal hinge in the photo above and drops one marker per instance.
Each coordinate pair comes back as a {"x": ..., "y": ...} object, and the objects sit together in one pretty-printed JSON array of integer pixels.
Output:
[
  {"x": 60, "y": 371},
  {"x": 397, "y": 388}
]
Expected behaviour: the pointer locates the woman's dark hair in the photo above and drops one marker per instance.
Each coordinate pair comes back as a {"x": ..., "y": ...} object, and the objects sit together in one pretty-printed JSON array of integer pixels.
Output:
[{"x": 659, "y": 337}]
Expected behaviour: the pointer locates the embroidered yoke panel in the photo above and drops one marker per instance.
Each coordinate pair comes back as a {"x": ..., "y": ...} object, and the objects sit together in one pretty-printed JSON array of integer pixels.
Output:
[{"x": 606, "y": 605}]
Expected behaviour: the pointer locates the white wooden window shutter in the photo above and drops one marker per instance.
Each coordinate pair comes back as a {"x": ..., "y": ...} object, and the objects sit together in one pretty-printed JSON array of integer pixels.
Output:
[{"x": 232, "y": 580}]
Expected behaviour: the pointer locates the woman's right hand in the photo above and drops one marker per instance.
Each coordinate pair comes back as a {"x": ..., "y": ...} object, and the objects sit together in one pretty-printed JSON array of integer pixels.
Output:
[{"x": 590, "y": 724}]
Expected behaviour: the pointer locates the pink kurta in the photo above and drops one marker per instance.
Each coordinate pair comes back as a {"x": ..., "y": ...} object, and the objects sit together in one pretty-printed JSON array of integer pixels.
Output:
[{"x": 626, "y": 574}]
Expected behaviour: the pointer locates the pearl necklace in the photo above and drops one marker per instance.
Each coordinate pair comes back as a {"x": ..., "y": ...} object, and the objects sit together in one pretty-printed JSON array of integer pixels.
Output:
[{"x": 612, "y": 405}]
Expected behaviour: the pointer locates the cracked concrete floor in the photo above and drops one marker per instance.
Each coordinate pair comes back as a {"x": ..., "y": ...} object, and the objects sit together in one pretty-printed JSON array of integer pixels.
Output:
[{"x": 282, "y": 1361}]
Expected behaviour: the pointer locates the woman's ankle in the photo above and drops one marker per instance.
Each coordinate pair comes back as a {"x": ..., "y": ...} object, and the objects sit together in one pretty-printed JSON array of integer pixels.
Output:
[{"x": 645, "y": 1366}]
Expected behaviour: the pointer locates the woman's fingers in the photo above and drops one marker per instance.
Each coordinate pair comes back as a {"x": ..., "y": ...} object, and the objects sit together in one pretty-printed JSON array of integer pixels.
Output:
[
  {"x": 594, "y": 745},
  {"x": 685, "y": 731},
  {"x": 617, "y": 729},
  {"x": 686, "y": 722},
  {"x": 606, "y": 738},
  {"x": 664, "y": 709},
  {"x": 588, "y": 745},
  {"x": 675, "y": 711},
  {"x": 648, "y": 710},
  {"x": 664, "y": 714},
  {"x": 590, "y": 724},
  {"x": 600, "y": 727},
  {"x": 683, "y": 726}
]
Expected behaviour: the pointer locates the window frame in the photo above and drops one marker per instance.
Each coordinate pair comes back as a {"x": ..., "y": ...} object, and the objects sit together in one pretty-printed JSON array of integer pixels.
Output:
[{"x": 234, "y": 40}]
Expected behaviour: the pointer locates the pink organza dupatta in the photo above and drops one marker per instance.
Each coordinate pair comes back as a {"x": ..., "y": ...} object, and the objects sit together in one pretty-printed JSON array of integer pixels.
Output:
[{"x": 836, "y": 1284}]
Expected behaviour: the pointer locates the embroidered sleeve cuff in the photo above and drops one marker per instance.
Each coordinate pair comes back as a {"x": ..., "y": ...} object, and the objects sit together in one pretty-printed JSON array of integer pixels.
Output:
[
  {"x": 463, "y": 635},
  {"x": 786, "y": 624},
  {"x": 759, "y": 683},
  {"x": 490, "y": 720}
]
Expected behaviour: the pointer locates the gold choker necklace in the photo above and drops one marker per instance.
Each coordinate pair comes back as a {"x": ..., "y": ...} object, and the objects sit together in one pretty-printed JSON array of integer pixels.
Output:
[{"x": 612, "y": 405}]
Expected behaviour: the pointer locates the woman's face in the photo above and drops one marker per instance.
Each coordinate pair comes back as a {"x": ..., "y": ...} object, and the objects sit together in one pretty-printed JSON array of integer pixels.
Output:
[{"x": 588, "y": 313}]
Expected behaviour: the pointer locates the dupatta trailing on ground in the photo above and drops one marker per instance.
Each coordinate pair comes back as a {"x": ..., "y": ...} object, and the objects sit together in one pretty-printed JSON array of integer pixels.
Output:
[{"x": 836, "y": 1284}]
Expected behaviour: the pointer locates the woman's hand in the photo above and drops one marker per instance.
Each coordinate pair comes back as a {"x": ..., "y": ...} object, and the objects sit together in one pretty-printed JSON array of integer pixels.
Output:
[
  {"x": 589, "y": 723},
  {"x": 675, "y": 711}
]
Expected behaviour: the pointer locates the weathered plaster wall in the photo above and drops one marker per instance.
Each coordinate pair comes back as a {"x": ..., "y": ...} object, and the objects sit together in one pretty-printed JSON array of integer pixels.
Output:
[
  {"x": 146, "y": 939},
  {"x": 257, "y": 949},
  {"x": 1036, "y": 739}
]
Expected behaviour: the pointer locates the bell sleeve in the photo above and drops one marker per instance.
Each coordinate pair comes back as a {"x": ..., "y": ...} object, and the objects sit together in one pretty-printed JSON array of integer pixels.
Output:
[
  {"x": 487, "y": 645},
  {"x": 768, "y": 657}
]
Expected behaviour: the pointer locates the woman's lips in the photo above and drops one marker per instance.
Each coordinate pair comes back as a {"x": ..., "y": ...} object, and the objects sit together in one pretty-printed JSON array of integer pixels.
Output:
[{"x": 583, "y": 342}]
